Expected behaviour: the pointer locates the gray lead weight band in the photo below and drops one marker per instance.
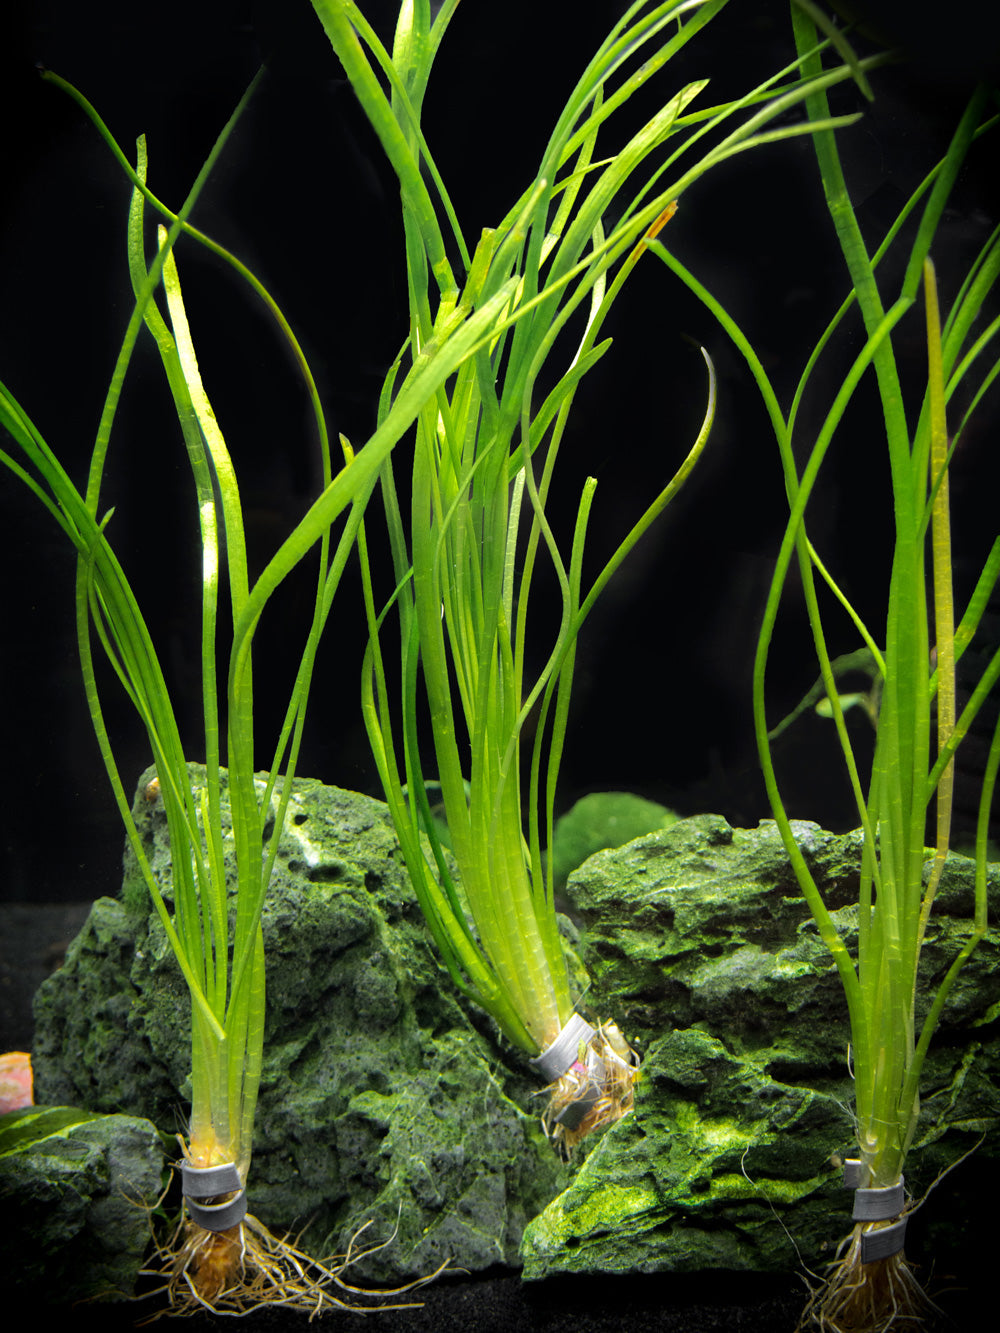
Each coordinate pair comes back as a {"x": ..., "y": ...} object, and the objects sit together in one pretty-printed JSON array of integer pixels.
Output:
[
  {"x": 206, "y": 1182},
  {"x": 556, "y": 1059},
  {"x": 878, "y": 1205},
  {"x": 573, "y": 1115},
  {"x": 218, "y": 1216},
  {"x": 852, "y": 1173},
  {"x": 884, "y": 1243}
]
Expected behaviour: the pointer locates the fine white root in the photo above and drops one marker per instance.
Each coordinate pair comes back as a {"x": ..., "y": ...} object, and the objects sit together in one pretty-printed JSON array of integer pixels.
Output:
[
  {"x": 233, "y": 1272},
  {"x": 866, "y": 1298},
  {"x": 609, "y": 1064}
]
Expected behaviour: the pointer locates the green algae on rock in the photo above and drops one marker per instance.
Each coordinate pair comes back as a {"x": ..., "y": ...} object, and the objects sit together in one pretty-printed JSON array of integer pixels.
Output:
[
  {"x": 379, "y": 1099},
  {"x": 383, "y": 1097},
  {"x": 76, "y": 1205},
  {"x": 700, "y": 1174},
  {"x": 601, "y": 820},
  {"x": 697, "y": 940}
]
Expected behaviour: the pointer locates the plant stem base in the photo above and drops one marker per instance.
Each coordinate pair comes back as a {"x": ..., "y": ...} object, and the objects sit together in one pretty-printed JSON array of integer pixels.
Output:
[{"x": 611, "y": 1067}]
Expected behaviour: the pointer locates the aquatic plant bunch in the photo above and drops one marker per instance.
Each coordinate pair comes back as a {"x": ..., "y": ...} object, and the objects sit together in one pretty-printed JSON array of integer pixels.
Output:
[
  {"x": 211, "y": 910},
  {"x": 918, "y": 727},
  {"x": 478, "y": 531}
]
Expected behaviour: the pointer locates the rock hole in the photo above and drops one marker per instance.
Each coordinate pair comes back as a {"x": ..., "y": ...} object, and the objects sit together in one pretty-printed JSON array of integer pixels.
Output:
[{"x": 326, "y": 873}]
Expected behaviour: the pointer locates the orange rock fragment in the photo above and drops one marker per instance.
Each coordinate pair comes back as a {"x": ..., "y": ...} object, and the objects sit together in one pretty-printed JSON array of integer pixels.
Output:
[{"x": 15, "y": 1081}]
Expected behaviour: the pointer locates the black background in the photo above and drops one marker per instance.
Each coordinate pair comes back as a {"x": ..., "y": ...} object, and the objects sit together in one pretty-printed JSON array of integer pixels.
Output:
[{"x": 662, "y": 699}]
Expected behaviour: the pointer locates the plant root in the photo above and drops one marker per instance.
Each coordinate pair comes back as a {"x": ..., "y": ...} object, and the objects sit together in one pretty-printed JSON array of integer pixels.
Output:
[
  {"x": 866, "y": 1298},
  {"x": 608, "y": 1064},
  {"x": 233, "y": 1272}
]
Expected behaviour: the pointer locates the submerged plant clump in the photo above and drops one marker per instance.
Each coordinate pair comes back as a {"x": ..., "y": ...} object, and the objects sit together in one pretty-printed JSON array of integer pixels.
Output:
[
  {"x": 220, "y": 876},
  {"x": 478, "y": 531},
  {"x": 918, "y": 725}
]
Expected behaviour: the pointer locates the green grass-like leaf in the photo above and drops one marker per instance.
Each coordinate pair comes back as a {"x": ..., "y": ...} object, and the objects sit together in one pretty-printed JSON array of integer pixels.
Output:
[
  {"x": 219, "y": 953},
  {"x": 466, "y": 557},
  {"x": 888, "y": 1043}
]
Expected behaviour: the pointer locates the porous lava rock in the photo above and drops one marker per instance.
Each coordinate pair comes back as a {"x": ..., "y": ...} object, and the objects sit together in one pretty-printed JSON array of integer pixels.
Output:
[
  {"x": 380, "y": 1102},
  {"x": 76, "y": 1204},
  {"x": 700, "y": 946}
]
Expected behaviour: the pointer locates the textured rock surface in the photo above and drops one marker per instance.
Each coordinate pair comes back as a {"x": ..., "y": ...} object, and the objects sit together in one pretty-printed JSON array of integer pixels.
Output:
[
  {"x": 701, "y": 948},
  {"x": 379, "y": 1099},
  {"x": 383, "y": 1097},
  {"x": 601, "y": 820},
  {"x": 74, "y": 1208}
]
